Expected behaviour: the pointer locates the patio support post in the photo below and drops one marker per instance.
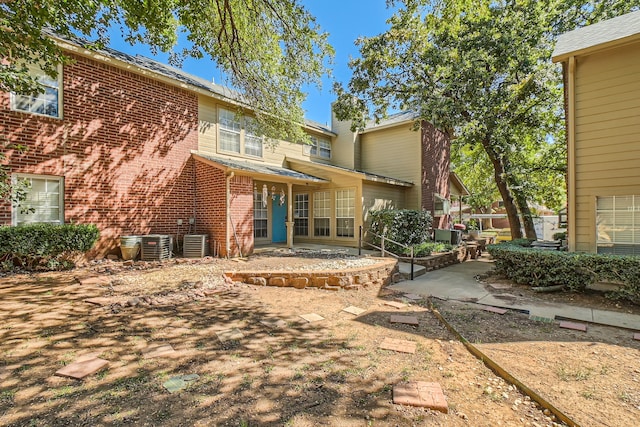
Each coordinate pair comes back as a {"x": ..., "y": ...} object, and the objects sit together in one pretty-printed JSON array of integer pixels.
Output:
[{"x": 290, "y": 215}]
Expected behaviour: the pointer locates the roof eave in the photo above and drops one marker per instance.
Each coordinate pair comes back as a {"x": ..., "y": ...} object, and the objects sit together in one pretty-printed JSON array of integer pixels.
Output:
[{"x": 562, "y": 57}]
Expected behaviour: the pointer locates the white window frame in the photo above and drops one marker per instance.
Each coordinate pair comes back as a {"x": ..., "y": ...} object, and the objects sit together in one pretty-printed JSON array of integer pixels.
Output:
[
  {"x": 322, "y": 211},
  {"x": 319, "y": 147},
  {"x": 40, "y": 98},
  {"x": 16, "y": 215},
  {"x": 230, "y": 123},
  {"x": 345, "y": 211},
  {"x": 301, "y": 214},
  {"x": 618, "y": 224},
  {"x": 242, "y": 129},
  {"x": 260, "y": 213}
]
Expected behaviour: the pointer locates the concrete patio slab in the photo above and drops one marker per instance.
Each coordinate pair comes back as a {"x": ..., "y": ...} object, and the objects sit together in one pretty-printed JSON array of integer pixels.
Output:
[
  {"x": 401, "y": 346},
  {"x": 354, "y": 310},
  {"x": 421, "y": 394},
  {"x": 413, "y": 297},
  {"x": 614, "y": 318},
  {"x": 312, "y": 317},
  {"x": 230, "y": 335},
  {"x": 406, "y": 320},
  {"x": 574, "y": 326}
]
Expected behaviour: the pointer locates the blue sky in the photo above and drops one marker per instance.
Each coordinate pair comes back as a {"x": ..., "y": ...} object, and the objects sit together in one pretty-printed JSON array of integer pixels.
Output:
[{"x": 344, "y": 20}]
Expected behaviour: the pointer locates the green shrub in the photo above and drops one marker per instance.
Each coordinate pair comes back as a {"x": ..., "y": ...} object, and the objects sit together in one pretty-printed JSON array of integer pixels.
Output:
[
  {"x": 560, "y": 236},
  {"x": 427, "y": 248},
  {"x": 409, "y": 227},
  {"x": 575, "y": 271},
  {"x": 524, "y": 242},
  {"x": 45, "y": 246}
]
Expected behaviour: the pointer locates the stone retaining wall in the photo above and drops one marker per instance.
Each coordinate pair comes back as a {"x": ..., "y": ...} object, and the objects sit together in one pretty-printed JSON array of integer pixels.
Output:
[
  {"x": 378, "y": 274},
  {"x": 441, "y": 260}
]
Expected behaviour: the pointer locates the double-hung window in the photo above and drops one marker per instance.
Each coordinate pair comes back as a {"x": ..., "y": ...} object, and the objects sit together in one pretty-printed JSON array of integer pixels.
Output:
[
  {"x": 345, "y": 212},
  {"x": 252, "y": 141},
  {"x": 618, "y": 225},
  {"x": 320, "y": 147},
  {"x": 301, "y": 214},
  {"x": 47, "y": 103},
  {"x": 260, "y": 216},
  {"x": 321, "y": 214},
  {"x": 239, "y": 134},
  {"x": 230, "y": 126},
  {"x": 43, "y": 201}
]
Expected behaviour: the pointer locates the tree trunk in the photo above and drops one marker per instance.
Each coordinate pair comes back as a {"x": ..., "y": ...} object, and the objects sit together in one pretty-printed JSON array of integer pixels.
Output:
[
  {"x": 500, "y": 175},
  {"x": 527, "y": 218}
]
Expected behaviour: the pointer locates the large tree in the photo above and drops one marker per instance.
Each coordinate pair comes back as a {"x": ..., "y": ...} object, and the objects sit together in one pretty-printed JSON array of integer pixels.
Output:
[{"x": 480, "y": 70}]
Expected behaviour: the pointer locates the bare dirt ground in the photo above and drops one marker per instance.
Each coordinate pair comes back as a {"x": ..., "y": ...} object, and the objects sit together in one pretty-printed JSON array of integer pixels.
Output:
[{"x": 330, "y": 372}]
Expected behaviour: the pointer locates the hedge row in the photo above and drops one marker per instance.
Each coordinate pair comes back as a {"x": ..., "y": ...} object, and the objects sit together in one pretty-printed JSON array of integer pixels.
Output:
[
  {"x": 44, "y": 246},
  {"x": 406, "y": 226},
  {"x": 540, "y": 268}
]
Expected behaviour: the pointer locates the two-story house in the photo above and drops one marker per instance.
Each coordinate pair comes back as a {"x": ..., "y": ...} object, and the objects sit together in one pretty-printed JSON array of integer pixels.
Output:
[{"x": 138, "y": 147}]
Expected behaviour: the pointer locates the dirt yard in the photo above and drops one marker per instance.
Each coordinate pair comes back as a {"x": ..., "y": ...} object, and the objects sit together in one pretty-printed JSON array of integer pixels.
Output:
[{"x": 330, "y": 372}]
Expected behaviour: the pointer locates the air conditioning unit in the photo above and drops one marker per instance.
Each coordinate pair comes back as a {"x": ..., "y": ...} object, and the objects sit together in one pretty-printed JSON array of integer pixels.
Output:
[
  {"x": 195, "y": 245},
  {"x": 156, "y": 247}
]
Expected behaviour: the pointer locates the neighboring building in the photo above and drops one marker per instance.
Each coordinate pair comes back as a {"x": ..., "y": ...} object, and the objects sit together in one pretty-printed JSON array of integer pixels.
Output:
[
  {"x": 138, "y": 147},
  {"x": 601, "y": 64}
]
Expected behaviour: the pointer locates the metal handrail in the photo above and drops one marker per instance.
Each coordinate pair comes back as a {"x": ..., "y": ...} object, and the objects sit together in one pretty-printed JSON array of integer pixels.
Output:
[{"x": 381, "y": 248}]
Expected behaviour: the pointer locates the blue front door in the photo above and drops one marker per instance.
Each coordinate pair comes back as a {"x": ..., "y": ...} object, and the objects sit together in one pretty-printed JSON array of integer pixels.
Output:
[{"x": 279, "y": 215}]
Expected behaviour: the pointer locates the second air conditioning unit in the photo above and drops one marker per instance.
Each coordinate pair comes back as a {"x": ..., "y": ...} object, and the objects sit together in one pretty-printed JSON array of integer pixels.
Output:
[
  {"x": 156, "y": 247},
  {"x": 196, "y": 245}
]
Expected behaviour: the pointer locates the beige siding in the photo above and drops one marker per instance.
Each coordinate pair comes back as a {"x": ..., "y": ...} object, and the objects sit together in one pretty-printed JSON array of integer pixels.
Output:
[
  {"x": 376, "y": 197},
  {"x": 207, "y": 125},
  {"x": 395, "y": 153},
  {"x": 607, "y": 125},
  {"x": 344, "y": 145},
  {"x": 208, "y": 135}
]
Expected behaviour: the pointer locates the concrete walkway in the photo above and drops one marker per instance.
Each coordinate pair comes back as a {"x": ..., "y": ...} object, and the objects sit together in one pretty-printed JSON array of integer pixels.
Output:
[{"x": 458, "y": 282}]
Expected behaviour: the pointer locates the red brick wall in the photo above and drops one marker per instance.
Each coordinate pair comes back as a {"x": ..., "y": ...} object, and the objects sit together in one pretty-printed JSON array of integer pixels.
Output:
[
  {"x": 123, "y": 147},
  {"x": 436, "y": 150},
  {"x": 241, "y": 214},
  {"x": 211, "y": 201},
  {"x": 210, "y": 206}
]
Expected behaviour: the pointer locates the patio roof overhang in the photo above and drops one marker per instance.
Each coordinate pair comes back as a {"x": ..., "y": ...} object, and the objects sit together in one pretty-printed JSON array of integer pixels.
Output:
[
  {"x": 321, "y": 168},
  {"x": 257, "y": 170}
]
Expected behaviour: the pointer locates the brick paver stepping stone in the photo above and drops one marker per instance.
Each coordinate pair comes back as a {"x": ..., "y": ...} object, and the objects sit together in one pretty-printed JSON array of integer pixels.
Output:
[
  {"x": 395, "y": 304},
  {"x": 402, "y": 346},
  {"x": 575, "y": 326},
  {"x": 158, "y": 351},
  {"x": 274, "y": 323},
  {"x": 312, "y": 317},
  {"x": 413, "y": 297},
  {"x": 636, "y": 336},
  {"x": 83, "y": 366},
  {"x": 230, "y": 335},
  {"x": 422, "y": 394},
  {"x": 179, "y": 382},
  {"x": 493, "y": 309},
  {"x": 407, "y": 320},
  {"x": 352, "y": 309}
]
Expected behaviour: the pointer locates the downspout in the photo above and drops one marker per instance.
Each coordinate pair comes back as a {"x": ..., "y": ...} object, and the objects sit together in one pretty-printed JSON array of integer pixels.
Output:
[
  {"x": 571, "y": 159},
  {"x": 227, "y": 237}
]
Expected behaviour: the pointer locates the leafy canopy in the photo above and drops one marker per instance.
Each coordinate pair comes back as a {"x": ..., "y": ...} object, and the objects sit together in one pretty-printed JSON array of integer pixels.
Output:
[{"x": 269, "y": 49}]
